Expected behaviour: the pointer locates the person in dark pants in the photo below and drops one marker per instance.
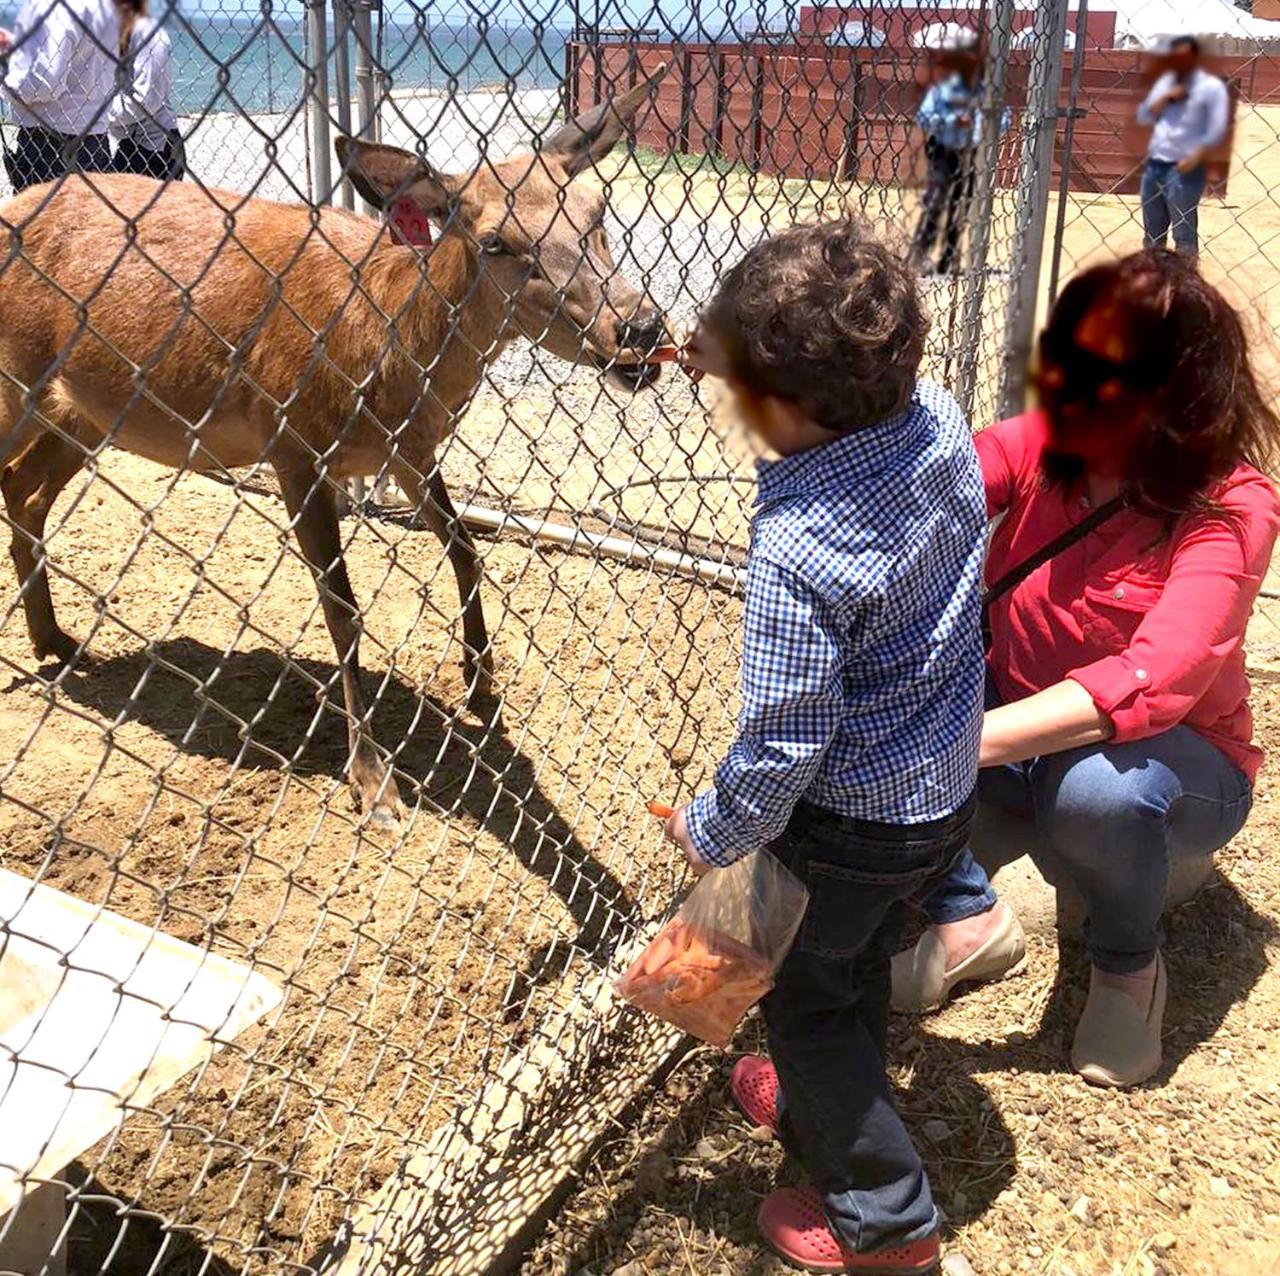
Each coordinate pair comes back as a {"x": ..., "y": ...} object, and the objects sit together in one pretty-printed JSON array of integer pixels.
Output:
[
  {"x": 1188, "y": 111},
  {"x": 59, "y": 78},
  {"x": 142, "y": 121},
  {"x": 856, "y": 757},
  {"x": 42, "y": 154},
  {"x": 947, "y": 117},
  {"x": 948, "y": 191}
]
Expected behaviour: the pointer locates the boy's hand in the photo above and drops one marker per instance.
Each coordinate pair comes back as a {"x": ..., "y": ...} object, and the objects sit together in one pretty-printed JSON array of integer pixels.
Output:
[
  {"x": 702, "y": 355},
  {"x": 677, "y": 831}
]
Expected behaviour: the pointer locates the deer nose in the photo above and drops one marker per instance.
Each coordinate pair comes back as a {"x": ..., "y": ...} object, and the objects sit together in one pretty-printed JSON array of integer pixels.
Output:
[{"x": 645, "y": 330}]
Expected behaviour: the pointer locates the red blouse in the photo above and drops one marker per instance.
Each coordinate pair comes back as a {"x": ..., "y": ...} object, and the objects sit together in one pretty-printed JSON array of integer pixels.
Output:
[{"x": 1151, "y": 625}]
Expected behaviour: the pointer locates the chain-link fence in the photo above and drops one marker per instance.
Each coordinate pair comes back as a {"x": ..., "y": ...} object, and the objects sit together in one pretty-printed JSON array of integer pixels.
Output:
[{"x": 249, "y": 1022}]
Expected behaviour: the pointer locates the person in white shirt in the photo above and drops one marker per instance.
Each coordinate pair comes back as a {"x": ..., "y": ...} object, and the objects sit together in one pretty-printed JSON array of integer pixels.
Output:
[
  {"x": 143, "y": 124},
  {"x": 58, "y": 74},
  {"x": 1188, "y": 111}
]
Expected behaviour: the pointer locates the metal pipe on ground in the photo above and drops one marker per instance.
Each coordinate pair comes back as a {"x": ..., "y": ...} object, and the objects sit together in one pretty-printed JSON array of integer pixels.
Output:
[{"x": 707, "y": 570}]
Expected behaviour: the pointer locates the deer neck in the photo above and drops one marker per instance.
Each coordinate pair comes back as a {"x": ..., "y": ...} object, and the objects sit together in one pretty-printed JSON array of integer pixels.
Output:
[{"x": 448, "y": 323}]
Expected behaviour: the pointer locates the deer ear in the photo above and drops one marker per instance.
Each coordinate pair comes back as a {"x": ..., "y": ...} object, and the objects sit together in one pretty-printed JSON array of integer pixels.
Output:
[
  {"x": 592, "y": 135},
  {"x": 383, "y": 174}
]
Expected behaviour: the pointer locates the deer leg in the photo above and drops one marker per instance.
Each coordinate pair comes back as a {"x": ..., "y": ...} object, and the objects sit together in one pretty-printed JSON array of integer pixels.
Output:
[
  {"x": 430, "y": 499},
  {"x": 31, "y": 478},
  {"x": 315, "y": 523}
]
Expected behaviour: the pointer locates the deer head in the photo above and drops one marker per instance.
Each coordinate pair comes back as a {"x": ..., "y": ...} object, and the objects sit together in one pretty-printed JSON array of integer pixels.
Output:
[{"x": 538, "y": 237}]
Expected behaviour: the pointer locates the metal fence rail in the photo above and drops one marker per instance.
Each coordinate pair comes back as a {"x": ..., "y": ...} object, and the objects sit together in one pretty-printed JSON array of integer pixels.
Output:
[{"x": 271, "y": 1027}]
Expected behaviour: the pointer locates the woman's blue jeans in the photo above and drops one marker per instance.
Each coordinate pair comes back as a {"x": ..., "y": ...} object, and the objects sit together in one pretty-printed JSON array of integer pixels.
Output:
[{"x": 1108, "y": 820}]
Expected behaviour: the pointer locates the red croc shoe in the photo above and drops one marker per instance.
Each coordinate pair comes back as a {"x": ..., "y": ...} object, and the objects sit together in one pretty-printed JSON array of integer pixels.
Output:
[
  {"x": 793, "y": 1222},
  {"x": 754, "y": 1086}
]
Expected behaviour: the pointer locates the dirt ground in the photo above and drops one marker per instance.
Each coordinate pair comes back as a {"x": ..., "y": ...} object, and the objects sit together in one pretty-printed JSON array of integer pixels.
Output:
[
  {"x": 1034, "y": 1170},
  {"x": 188, "y": 776}
]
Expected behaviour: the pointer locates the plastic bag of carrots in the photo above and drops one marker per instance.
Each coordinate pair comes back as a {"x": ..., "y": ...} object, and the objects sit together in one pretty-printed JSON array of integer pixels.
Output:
[{"x": 719, "y": 954}]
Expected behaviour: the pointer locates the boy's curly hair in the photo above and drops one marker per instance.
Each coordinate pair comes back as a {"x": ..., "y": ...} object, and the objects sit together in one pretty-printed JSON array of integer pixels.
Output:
[{"x": 828, "y": 317}]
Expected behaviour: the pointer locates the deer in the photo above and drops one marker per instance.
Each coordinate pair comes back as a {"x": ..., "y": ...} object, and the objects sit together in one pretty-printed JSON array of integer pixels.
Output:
[{"x": 209, "y": 331}]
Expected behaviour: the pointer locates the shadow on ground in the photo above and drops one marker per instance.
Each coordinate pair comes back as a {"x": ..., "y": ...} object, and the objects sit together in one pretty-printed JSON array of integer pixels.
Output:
[{"x": 249, "y": 708}]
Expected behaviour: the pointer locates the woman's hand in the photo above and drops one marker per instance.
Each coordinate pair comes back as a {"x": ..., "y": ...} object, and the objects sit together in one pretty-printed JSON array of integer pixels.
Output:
[
  {"x": 677, "y": 831},
  {"x": 1058, "y": 718}
]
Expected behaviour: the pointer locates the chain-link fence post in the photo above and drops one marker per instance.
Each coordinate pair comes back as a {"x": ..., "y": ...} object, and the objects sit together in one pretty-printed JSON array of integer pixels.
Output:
[
  {"x": 318, "y": 83},
  {"x": 1068, "y": 147},
  {"x": 342, "y": 83},
  {"x": 1039, "y": 133},
  {"x": 361, "y": 15},
  {"x": 998, "y": 38},
  {"x": 366, "y": 77}
]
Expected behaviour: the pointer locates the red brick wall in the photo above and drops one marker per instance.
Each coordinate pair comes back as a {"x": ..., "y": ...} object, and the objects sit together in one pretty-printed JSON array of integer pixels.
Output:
[{"x": 809, "y": 111}]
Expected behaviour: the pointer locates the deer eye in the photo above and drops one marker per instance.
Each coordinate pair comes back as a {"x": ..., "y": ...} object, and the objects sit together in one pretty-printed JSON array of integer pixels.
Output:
[{"x": 492, "y": 244}]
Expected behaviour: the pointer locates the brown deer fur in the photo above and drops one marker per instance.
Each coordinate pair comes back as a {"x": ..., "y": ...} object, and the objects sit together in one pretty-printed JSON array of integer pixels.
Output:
[{"x": 203, "y": 330}]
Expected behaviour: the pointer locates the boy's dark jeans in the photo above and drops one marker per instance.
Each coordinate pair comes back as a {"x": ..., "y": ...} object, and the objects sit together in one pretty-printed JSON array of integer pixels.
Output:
[{"x": 829, "y": 1012}]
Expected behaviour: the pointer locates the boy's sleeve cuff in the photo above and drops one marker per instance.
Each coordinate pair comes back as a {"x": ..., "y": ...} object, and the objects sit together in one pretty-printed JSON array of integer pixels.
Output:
[{"x": 712, "y": 840}]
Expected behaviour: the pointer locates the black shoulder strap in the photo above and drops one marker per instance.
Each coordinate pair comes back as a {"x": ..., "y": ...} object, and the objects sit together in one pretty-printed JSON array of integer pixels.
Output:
[{"x": 1016, "y": 575}]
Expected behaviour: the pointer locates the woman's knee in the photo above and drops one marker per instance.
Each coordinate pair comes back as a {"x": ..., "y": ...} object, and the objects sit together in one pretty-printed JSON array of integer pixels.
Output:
[{"x": 1091, "y": 802}]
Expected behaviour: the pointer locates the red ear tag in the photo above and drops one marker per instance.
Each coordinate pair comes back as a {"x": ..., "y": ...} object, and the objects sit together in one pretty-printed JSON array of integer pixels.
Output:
[{"x": 409, "y": 224}]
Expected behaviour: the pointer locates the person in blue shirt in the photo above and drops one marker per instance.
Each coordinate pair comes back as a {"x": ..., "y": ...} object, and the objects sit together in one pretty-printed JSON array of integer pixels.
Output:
[
  {"x": 856, "y": 756},
  {"x": 949, "y": 116},
  {"x": 1188, "y": 111}
]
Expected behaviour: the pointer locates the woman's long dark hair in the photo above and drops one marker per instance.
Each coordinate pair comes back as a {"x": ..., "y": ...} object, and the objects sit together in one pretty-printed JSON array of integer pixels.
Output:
[
  {"x": 1192, "y": 361},
  {"x": 130, "y": 11}
]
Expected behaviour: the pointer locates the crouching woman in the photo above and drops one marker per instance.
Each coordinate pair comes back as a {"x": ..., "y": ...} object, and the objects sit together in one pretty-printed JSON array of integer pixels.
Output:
[{"x": 1118, "y": 733}]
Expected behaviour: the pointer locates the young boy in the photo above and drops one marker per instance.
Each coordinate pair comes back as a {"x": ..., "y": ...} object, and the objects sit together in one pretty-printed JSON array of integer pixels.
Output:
[{"x": 857, "y": 752}]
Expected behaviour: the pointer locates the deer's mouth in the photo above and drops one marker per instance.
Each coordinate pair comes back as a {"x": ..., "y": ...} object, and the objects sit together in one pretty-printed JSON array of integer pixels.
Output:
[{"x": 628, "y": 369}]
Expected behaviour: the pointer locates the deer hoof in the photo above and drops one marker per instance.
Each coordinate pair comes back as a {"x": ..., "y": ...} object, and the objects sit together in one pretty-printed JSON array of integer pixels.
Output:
[
  {"x": 61, "y": 648},
  {"x": 478, "y": 672},
  {"x": 385, "y": 816},
  {"x": 375, "y": 791}
]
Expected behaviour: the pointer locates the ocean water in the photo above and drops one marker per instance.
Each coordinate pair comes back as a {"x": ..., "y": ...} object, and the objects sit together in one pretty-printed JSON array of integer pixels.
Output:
[{"x": 251, "y": 63}]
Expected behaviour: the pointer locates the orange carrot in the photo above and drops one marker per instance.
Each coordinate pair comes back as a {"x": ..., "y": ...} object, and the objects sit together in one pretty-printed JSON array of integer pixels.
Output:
[
  {"x": 662, "y": 811},
  {"x": 663, "y": 354}
]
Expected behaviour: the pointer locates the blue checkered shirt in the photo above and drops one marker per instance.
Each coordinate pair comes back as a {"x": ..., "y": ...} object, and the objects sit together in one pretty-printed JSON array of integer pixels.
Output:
[{"x": 862, "y": 660}]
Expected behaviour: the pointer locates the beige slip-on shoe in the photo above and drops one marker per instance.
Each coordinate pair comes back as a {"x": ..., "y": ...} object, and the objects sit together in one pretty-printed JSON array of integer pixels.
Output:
[
  {"x": 1115, "y": 1044},
  {"x": 922, "y": 982}
]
